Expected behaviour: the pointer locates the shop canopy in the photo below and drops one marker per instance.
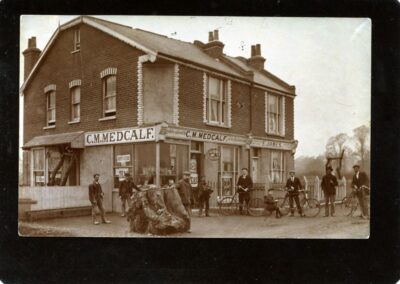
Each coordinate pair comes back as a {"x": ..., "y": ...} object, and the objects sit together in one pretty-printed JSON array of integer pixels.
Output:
[{"x": 73, "y": 139}]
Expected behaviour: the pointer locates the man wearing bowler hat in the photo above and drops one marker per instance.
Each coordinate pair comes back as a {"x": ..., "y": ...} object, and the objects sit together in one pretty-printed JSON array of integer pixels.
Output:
[
  {"x": 329, "y": 185},
  {"x": 359, "y": 183},
  {"x": 293, "y": 185}
]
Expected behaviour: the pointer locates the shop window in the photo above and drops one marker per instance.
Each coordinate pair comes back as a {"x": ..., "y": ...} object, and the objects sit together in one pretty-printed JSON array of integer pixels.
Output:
[
  {"x": 275, "y": 114},
  {"x": 277, "y": 167},
  {"x": 62, "y": 166},
  {"x": 123, "y": 162},
  {"x": 109, "y": 95},
  {"x": 51, "y": 108},
  {"x": 216, "y": 101},
  {"x": 77, "y": 40},
  {"x": 173, "y": 161},
  {"x": 228, "y": 174},
  {"x": 60, "y": 163},
  {"x": 38, "y": 166},
  {"x": 75, "y": 103},
  {"x": 145, "y": 163}
]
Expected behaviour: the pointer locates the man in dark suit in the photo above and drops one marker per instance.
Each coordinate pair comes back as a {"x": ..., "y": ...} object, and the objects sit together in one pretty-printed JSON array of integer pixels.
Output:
[
  {"x": 359, "y": 183},
  {"x": 125, "y": 191},
  {"x": 329, "y": 185},
  {"x": 244, "y": 184},
  {"x": 185, "y": 192},
  {"x": 96, "y": 198},
  {"x": 293, "y": 185}
]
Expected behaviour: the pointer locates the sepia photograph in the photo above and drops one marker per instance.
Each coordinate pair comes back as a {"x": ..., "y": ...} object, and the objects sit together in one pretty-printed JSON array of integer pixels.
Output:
[{"x": 194, "y": 127}]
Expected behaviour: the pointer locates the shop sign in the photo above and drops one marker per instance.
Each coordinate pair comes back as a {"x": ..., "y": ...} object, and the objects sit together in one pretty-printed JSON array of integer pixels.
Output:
[
  {"x": 119, "y": 136},
  {"x": 194, "y": 179},
  {"x": 120, "y": 172},
  {"x": 122, "y": 159},
  {"x": 272, "y": 144},
  {"x": 205, "y": 136},
  {"x": 213, "y": 154}
]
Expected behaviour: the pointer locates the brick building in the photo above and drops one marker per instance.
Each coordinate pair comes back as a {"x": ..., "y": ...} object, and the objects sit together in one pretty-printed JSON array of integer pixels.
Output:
[{"x": 106, "y": 98}]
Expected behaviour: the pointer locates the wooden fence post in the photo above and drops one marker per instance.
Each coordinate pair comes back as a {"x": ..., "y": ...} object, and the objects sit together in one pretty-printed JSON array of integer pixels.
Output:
[{"x": 317, "y": 187}]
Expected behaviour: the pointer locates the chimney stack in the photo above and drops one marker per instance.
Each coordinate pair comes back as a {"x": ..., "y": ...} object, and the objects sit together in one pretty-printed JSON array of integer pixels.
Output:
[
  {"x": 256, "y": 60},
  {"x": 214, "y": 47},
  {"x": 31, "y": 56}
]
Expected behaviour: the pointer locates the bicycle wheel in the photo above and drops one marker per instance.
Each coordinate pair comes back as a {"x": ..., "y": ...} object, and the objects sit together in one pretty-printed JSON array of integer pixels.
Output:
[
  {"x": 256, "y": 207},
  {"x": 227, "y": 206},
  {"x": 283, "y": 204},
  {"x": 311, "y": 207},
  {"x": 349, "y": 206}
]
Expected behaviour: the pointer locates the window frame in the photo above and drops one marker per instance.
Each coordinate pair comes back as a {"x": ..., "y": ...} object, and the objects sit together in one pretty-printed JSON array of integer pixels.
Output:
[
  {"x": 77, "y": 40},
  {"x": 73, "y": 104},
  {"x": 49, "y": 108},
  {"x": 109, "y": 112},
  {"x": 221, "y": 99},
  {"x": 282, "y": 166},
  {"x": 278, "y": 114}
]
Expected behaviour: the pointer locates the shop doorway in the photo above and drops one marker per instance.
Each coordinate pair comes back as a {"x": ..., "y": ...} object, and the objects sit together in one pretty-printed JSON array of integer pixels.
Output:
[{"x": 196, "y": 168}]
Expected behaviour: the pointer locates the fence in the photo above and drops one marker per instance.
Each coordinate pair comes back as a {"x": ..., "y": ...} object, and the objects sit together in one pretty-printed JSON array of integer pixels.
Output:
[
  {"x": 55, "y": 197},
  {"x": 313, "y": 185}
]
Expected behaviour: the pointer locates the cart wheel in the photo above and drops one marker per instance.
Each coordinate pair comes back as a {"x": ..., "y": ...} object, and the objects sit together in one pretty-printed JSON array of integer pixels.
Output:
[{"x": 311, "y": 207}]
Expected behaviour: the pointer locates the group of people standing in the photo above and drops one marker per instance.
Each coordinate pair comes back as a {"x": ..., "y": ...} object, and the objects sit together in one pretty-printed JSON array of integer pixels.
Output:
[{"x": 329, "y": 185}]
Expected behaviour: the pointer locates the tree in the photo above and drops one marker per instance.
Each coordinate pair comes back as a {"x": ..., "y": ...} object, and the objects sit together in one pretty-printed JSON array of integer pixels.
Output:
[{"x": 361, "y": 141}]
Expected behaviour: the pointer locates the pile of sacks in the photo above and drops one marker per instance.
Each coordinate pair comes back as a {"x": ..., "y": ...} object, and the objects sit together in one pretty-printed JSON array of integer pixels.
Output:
[{"x": 158, "y": 211}]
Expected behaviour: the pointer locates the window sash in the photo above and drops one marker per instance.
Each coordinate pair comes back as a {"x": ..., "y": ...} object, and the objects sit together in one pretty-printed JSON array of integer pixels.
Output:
[
  {"x": 77, "y": 39},
  {"x": 109, "y": 94},
  {"x": 216, "y": 101},
  {"x": 274, "y": 114},
  {"x": 51, "y": 107}
]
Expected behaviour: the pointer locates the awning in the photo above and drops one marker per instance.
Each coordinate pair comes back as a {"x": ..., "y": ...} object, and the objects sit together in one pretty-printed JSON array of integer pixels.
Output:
[{"x": 74, "y": 139}]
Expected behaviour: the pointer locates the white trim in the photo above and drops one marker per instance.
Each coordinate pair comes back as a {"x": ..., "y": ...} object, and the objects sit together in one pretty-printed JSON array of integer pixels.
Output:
[
  {"x": 85, "y": 20},
  {"x": 49, "y": 88},
  {"x": 108, "y": 71},
  {"x": 283, "y": 117},
  {"x": 229, "y": 102},
  {"x": 119, "y": 36},
  {"x": 49, "y": 127},
  {"x": 140, "y": 90},
  {"x": 175, "y": 115},
  {"x": 75, "y": 83},
  {"x": 107, "y": 118},
  {"x": 205, "y": 87},
  {"x": 266, "y": 111}
]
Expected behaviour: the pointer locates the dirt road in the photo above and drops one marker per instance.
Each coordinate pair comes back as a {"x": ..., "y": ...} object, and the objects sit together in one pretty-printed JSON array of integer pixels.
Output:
[{"x": 213, "y": 227}]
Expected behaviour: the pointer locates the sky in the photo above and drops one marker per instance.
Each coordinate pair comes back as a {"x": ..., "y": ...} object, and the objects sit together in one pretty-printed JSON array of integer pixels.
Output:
[{"x": 327, "y": 59}]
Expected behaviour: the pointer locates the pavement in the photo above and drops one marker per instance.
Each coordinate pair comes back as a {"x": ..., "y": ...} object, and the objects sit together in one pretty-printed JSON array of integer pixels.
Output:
[{"x": 216, "y": 226}]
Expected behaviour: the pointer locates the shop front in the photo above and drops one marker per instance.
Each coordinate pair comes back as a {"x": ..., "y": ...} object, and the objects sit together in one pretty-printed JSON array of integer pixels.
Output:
[{"x": 154, "y": 155}]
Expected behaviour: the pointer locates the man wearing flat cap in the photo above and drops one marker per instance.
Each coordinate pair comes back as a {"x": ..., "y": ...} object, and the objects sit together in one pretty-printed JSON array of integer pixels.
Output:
[
  {"x": 329, "y": 185},
  {"x": 359, "y": 183},
  {"x": 293, "y": 185},
  {"x": 125, "y": 192},
  {"x": 185, "y": 190},
  {"x": 96, "y": 199}
]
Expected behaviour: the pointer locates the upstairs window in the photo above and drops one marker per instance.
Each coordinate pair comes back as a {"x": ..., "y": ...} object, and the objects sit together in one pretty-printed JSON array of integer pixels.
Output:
[
  {"x": 109, "y": 95},
  {"x": 216, "y": 101},
  {"x": 75, "y": 103},
  {"x": 77, "y": 40},
  {"x": 51, "y": 108},
  {"x": 275, "y": 115}
]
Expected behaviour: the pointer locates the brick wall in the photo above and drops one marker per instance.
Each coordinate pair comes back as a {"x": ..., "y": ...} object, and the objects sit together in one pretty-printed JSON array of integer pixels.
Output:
[{"x": 98, "y": 52}]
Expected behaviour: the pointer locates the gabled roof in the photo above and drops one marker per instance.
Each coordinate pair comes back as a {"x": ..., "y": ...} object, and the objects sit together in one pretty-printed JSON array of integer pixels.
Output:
[{"x": 154, "y": 44}]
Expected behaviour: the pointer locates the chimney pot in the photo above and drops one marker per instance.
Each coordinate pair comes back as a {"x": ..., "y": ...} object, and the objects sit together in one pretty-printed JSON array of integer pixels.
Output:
[
  {"x": 258, "y": 49},
  {"x": 216, "y": 36},
  {"x": 32, "y": 42},
  {"x": 210, "y": 36},
  {"x": 253, "y": 50}
]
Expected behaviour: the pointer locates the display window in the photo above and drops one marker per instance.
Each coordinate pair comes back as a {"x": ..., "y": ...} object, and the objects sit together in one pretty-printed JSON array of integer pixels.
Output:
[{"x": 229, "y": 170}]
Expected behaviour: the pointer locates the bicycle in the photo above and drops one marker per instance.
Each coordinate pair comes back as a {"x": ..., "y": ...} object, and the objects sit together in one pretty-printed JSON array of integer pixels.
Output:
[
  {"x": 310, "y": 206},
  {"x": 229, "y": 205},
  {"x": 350, "y": 203}
]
